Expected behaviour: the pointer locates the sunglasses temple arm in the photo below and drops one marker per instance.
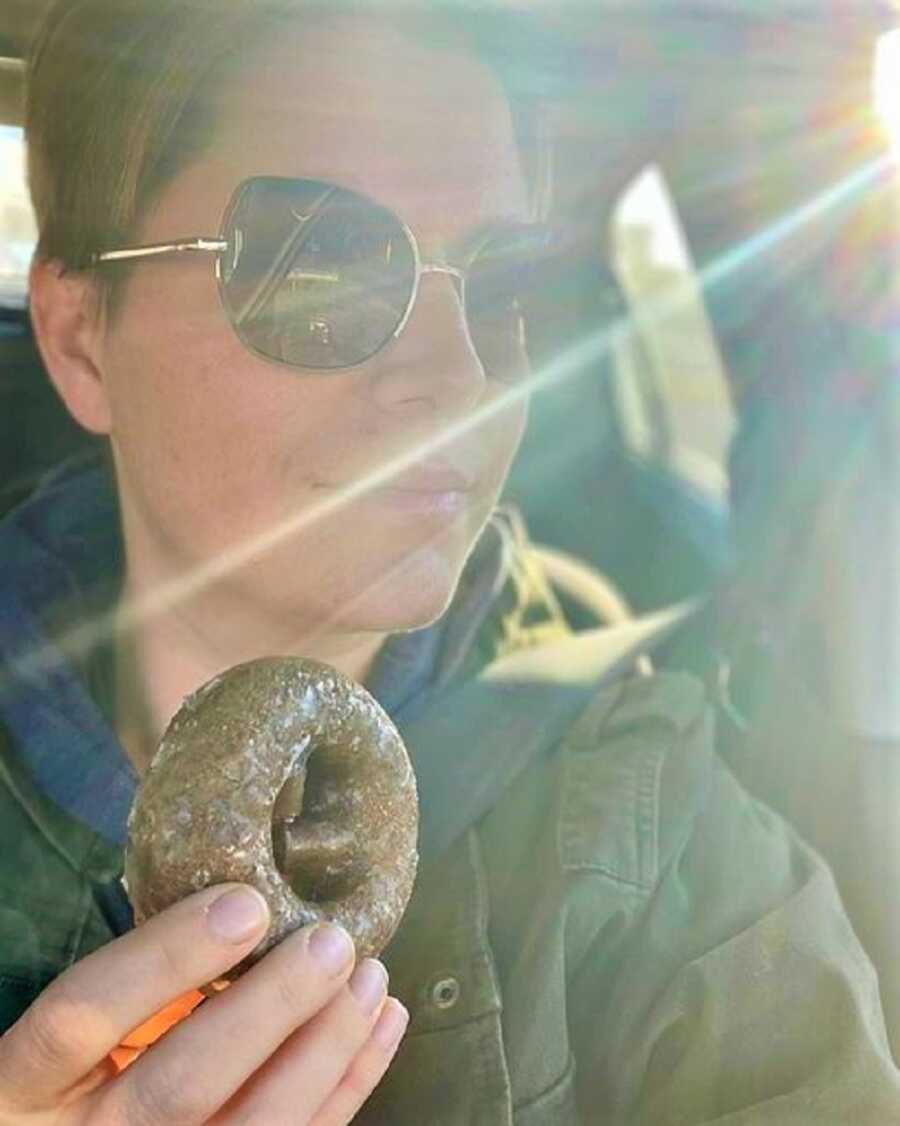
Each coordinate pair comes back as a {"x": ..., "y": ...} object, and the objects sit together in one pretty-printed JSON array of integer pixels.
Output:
[{"x": 129, "y": 253}]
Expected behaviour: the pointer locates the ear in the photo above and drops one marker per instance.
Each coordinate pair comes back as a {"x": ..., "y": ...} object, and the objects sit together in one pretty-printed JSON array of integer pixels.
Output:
[{"x": 69, "y": 332}]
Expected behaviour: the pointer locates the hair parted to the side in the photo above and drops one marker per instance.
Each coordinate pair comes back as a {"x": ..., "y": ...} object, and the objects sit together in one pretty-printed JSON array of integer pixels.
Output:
[
  {"x": 112, "y": 111},
  {"x": 114, "y": 107}
]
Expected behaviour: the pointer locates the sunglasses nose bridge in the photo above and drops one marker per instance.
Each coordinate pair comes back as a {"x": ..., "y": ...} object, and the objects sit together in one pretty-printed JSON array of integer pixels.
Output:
[
  {"x": 440, "y": 268},
  {"x": 438, "y": 344},
  {"x": 424, "y": 268},
  {"x": 459, "y": 278}
]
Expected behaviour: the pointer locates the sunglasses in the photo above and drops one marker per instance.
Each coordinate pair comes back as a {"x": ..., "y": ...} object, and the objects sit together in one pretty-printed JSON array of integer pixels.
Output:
[{"x": 316, "y": 276}]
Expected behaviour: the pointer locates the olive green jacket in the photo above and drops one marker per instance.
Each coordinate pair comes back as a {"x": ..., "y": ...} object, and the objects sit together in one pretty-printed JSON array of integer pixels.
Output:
[{"x": 626, "y": 938}]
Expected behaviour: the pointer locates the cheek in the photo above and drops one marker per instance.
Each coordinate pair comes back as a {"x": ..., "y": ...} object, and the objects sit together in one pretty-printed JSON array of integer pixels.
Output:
[{"x": 213, "y": 443}]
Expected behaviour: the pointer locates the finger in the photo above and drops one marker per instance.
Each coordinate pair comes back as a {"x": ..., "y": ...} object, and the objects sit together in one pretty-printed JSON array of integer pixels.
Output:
[
  {"x": 88, "y": 1010},
  {"x": 302, "y": 1075},
  {"x": 367, "y": 1068},
  {"x": 189, "y": 1074}
]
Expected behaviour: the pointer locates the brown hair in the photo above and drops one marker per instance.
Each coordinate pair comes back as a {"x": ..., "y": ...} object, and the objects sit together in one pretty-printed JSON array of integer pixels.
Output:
[
  {"x": 115, "y": 109},
  {"x": 112, "y": 111},
  {"x": 108, "y": 82}
]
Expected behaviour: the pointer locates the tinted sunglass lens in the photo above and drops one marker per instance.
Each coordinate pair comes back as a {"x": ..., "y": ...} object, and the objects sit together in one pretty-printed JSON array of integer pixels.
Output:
[
  {"x": 500, "y": 287},
  {"x": 320, "y": 277}
]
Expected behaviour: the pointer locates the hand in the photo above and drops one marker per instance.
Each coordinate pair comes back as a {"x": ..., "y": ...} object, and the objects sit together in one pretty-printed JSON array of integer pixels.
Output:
[{"x": 296, "y": 1040}]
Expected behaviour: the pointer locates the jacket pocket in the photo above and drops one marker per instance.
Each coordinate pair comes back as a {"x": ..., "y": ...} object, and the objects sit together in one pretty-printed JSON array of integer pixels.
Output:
[
  {"x": 635, "y": 768},
  {"x": 553, "y": 1107},
  {"x": 610, "y": 811}
]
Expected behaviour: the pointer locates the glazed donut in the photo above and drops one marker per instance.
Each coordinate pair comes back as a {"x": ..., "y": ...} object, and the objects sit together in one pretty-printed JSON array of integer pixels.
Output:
[{"x": 287, "y": 775}]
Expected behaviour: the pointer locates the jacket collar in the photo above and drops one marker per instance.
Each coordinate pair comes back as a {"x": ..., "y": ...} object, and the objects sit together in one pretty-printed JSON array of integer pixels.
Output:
[
  {"x": 62, "y": 557},
  {"x": 62, "y": 560}
]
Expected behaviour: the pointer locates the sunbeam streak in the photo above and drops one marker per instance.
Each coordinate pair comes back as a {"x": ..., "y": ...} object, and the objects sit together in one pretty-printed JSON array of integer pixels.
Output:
[
  {"x": 567, "y": 364},
  {"x": 834, "y": 197}
]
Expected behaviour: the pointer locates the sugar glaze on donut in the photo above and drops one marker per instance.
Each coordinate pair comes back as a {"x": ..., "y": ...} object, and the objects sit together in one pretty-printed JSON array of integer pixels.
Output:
[{"x": 287, "y": 775}]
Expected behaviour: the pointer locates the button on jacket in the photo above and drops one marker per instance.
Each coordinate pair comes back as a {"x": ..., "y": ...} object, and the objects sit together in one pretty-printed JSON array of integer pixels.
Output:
[{"x": 625, "y": 937}]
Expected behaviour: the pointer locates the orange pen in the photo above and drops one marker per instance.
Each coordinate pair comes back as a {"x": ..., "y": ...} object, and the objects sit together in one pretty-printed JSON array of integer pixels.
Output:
[{"x": 139, "y": 1039}]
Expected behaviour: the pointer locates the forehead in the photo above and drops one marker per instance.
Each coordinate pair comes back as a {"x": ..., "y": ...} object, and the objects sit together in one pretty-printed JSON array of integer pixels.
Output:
[{"x": 424, "y": 128}]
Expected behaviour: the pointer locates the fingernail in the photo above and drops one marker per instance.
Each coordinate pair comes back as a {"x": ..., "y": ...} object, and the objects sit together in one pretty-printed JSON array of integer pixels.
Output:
[
  {"x": 391, "y": 1025},
  {"x": 331, "y": 947},
  {"x": 369, "y": 984},
  {"x": 237, "y": 915}
]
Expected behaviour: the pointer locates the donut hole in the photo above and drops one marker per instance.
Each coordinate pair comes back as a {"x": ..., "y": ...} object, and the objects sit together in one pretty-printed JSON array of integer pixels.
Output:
[
  {"x": 314, "y": 849},
  {"x": 321, "y": 882},
  {"x": 329, "y": 776}
]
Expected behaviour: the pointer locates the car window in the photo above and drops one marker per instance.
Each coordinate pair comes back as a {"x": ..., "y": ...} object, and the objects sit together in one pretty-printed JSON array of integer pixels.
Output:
[
  {"x": 669, "y": 372},
  {"x": 18, "y": 232}
]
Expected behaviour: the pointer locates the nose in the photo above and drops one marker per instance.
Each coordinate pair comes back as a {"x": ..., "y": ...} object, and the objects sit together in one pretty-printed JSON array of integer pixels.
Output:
[{"x": 432, "y": 366}]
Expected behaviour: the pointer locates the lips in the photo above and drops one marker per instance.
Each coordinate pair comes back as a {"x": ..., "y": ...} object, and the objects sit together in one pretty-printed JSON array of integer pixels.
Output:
[
  {"x": 433, "y": 491},
  {"x": 430, "y": 477}
]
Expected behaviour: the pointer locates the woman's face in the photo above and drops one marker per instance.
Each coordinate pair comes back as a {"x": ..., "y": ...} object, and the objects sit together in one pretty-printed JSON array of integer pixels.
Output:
[{"x": 216, "y": 447}]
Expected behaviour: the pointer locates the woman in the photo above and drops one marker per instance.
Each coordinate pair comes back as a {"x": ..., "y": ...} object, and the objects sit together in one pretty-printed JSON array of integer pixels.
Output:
[{"x": 625, "y": 936}]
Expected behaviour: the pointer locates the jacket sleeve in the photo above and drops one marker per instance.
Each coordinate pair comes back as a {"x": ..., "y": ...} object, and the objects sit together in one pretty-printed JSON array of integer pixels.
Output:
[{"x": 739, "y": 994}]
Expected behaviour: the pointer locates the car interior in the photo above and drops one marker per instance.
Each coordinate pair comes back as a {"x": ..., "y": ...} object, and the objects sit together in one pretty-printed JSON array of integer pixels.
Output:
[{"x": 715, "y": 416}]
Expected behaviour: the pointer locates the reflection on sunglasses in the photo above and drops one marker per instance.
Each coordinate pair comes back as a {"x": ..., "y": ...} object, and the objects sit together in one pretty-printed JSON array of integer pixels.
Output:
[{"x": 316, "y": 276}]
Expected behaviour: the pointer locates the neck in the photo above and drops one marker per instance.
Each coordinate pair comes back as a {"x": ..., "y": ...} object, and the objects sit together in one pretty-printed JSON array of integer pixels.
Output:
[{"x": 160, "y": 662}]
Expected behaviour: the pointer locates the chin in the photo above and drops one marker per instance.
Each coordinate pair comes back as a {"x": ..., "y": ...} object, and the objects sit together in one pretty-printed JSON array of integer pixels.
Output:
[
  {"x": 410, "y": 606},
  {"x": 413, "y": 597}
]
